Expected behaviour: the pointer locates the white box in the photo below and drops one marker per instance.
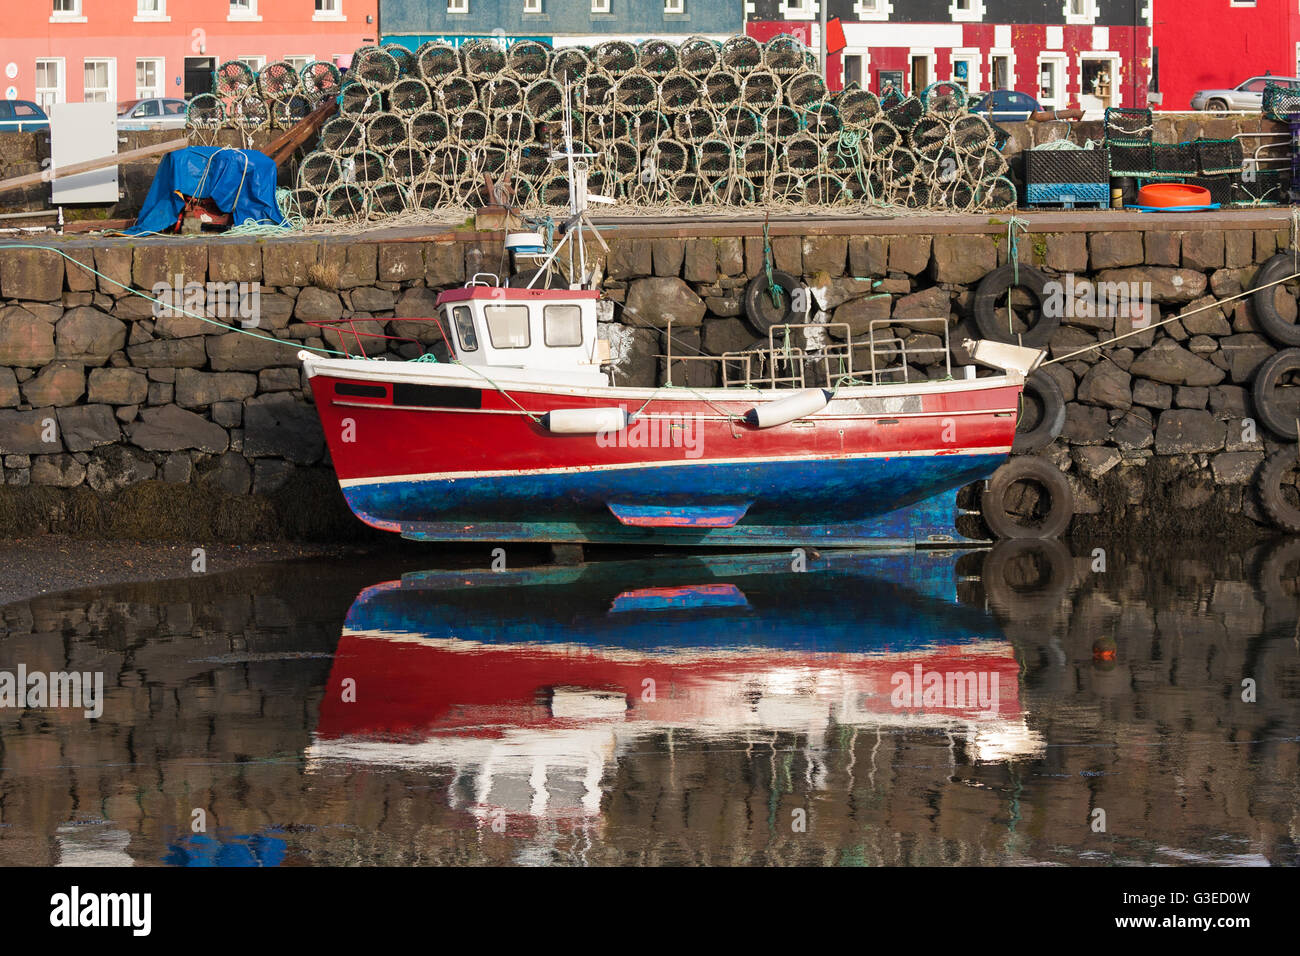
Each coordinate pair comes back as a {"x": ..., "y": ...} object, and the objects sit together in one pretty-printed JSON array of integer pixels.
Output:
[{"x": 80, "y": 132}]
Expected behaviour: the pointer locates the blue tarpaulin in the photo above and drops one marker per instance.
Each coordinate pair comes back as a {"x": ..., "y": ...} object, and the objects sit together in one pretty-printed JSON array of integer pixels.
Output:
[{"x": 240, "y": 181}]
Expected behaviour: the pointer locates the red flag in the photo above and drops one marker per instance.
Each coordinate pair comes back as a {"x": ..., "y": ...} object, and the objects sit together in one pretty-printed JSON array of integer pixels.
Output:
[{"x": 835, "y": 36}]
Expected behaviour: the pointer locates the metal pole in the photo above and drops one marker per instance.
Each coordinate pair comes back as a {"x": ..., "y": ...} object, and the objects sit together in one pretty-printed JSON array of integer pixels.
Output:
[{"x": 821, "y": 47}]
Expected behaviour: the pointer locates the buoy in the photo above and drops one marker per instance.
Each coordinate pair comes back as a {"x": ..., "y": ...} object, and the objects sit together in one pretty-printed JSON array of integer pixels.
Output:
[
  {"x": 1166, "y": 195},
  {"x": 785, "y": 410},
  {"x": 526, "y": 243},
  {"x": 585, "y": 421}
]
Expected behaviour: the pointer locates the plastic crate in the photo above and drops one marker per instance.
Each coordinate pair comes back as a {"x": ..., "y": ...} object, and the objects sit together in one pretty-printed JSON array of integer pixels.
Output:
[
  {"x": 1218, "y": 156},
  {"x": 1068, "y": 194},
  {"x": 1066, "y": 166},
  {"x": 1130, "y": 157}
]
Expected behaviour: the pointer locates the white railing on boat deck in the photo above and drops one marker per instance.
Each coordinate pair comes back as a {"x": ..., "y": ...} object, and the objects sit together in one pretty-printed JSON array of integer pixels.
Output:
[{"x": 781, "y": 364}]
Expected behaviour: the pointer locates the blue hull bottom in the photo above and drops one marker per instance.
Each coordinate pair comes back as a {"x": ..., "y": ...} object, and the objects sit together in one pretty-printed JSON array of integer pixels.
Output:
[{"x": 849, "y": 503}]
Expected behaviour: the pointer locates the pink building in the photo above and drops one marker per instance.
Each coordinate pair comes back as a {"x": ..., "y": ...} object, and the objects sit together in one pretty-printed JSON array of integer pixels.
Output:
[{"x": 113, "y": 50}]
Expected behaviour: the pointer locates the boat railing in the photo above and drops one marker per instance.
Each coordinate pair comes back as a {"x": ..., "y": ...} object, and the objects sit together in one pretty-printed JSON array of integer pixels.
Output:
[
  {"x": 350, "y": 337},
  {"x": 476, "y": 280},
  {"x": 779, "y": 363}
]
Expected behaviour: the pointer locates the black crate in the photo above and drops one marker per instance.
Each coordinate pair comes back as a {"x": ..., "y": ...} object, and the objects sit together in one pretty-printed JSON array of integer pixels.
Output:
[
  {"x": 1174, "y": 159},
  {"x": 1218, "y": 156},
  {"x": 1066, "y": 166},
  {"x": 1130, "y": 157}
]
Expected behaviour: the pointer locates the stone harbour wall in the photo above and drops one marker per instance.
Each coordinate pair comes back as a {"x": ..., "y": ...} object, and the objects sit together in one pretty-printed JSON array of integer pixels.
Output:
[{"x": 119, "y": 421}]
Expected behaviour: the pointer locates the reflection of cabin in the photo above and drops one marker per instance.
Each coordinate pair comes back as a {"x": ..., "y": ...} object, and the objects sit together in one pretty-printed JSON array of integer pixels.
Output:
[{"x": 1063, "y": 52}]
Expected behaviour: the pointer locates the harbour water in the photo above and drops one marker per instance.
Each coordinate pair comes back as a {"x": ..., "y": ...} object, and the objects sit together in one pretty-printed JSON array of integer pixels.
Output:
[{"x": 1020, "y": 706}]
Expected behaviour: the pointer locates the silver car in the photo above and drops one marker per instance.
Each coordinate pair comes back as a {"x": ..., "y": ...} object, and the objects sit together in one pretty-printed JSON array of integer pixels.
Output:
[
  {"x": 155, "y": 113},
  {"x": 1247, "y": 96}
]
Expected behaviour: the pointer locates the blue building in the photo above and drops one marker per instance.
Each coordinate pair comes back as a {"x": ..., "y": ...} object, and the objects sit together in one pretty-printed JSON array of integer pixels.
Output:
[{"x": 559, "y": 22}]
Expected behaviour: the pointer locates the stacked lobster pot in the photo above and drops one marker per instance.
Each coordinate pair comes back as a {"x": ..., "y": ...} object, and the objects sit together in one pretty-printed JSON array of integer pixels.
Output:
[
  {"x": 701, "y": 123},
  {"x": 1215, "y": 164},
  {"x": 276, "y": 97}
]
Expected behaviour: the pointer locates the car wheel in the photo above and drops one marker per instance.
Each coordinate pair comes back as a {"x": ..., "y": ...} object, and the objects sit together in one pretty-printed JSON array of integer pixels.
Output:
[{"x": 1217, "y": 106}]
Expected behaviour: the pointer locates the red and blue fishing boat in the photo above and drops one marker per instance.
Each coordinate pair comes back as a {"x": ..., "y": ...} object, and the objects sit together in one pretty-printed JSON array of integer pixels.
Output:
[{"x": 527, "y": 435}]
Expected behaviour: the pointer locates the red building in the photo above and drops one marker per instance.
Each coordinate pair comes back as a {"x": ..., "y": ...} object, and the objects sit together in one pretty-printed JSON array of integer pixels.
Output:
[
  {"x": 1088, "y": 53},
  {"x": 114, "y": 50},
  {"x": 1217, "y": 44}
]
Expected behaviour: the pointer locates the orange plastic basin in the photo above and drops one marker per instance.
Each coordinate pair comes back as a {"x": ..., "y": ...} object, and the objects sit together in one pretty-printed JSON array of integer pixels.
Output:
[{"x": 1173, "y": 194}]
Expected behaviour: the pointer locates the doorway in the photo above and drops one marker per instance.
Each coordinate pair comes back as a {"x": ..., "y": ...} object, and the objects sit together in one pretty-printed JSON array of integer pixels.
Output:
[
  {"x": 1000, "y": 69},
  {"x": 920, "y": 73},
  {"x": 199, "y": 72}
]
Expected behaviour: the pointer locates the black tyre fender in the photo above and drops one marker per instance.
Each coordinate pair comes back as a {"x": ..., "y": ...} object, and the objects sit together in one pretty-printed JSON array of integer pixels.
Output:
[
  {"x": 1268, "y": 406},
  {"x": 1270, "y": 574},
  {"x": 1017, "y": 601},
  {"x": 1263, "y": 298},
  {"x": 760, "y": 311},
  {"x": 992, "y": 292},
  {"x": 1041, "y": 388},
  {"x": 1053, "y": 482},
  {"x": 1268, "y": 485}
]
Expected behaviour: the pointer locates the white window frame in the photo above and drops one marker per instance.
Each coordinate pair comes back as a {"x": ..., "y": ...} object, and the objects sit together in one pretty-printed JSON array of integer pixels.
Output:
[
  {"x": 334, "y": 15},
  {"x": 60, "y": 89},
  {"x": 972, "y": 56},
  {"x": 674, "y": 8},
  {"x": 1061, "y": 60},
  {"x": 75, "y": 15},
  {"x": 250, "y": 15},
  {"x": 1116, "y": 73},
  {"x": 110, "y": 90},
  {"x": 1010, "y": 54},
  {"x": 160, "y": 67},
  {"x": 533, "y": 7},
  {"x": 802, "y": 10},
  {"x": 306, "y": 59},
  {"x": 458, "y": 6},
  {"x": 254, "y": 63},
  {"x": 1087, "y": 17},
  {"x": 974, "y": 13},
  {"x": 873, "y": 9},
  {"x": 862, "y": 53},
  {"x": 151, "y": 16},
  {"x": 600, "y": 6}
]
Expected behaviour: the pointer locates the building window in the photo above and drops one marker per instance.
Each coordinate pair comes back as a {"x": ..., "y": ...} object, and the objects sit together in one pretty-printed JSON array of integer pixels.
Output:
[
  {"x": 800, "y": 9},
  {"x": 674, "y": 7},
  {"x": 1080, "y": 11},
  {"x": 966, "y": 11},
  {"x": 299, "y": 63},
  {"x": 852, "y": 63},
  {"x": 67, "y": 10},
  {"x": 148, "y": 78},
  {"x": 243, "y": 10},
  {"x": 873, "y": 9},
  {"x": 98, "y": 82},
  {"x": 151, "y": 9},
  {"x": 49, "y": 83},
  {"x": 600, "y": 6},
  {"x": 254, "y": 63},
  {"x": 1000, "y": 69},
  {"x": 966, "y": 69},
  {"x": 532, "y": 6},
  {"x": 329, "y": 10},
  {"x": 458, "y": 6}
]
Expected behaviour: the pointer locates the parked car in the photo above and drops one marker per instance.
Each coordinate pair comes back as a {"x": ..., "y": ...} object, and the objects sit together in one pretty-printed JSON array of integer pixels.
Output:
[
  {"x": 1247, "y": 96},
  {"x": 156, "y": 113},
  {"x": 1004, "y": 106},
  {"x": 22, "y": 116}
]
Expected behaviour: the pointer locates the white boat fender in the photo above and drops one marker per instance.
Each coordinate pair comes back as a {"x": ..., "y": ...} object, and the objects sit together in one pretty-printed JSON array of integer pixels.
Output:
[
  {"x": 785, "y": 410},
  {"x": 585, "y": 421}
]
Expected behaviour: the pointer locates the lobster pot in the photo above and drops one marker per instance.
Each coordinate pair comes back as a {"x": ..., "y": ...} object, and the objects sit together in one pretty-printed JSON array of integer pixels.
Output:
[
  {"x": 555, "y": 191},
  {"x": 368, "y": 166},
  {"x": 234, "y": 80},
  {"x": 527, "y": 60},
  {"x": 903, "y": 164},
  {"x": 758, "y": 160},
  {"x": 741, "y": 54},
  {"x": 409, "y": 96},
  {"x": 385, "y": 131},
  {"x": 760, "y": 90},
  {"x": 1173, "y": 159},
  {"x": 501, "y": 93},
  {"x": 906, "y": 114},
  {"x": 656, "y": 58},
  {"x": 988, "y": 164},
  {"x": 491, "y": 159},
  {"x": 308, "y": 203},
  {"x": 534, "y": 161},
  {"x": 376, "y": 68},
  {"x": 544, "y": 100},
  {"x": 804, "y": 91},
  {"x": 448, "y": 164},
  {"x": 455, "y": 95},
  {"x": 389, "y": 198},
  {"x": 320, "y": 80},
  {"x": 569, "y": 65},
  {"x": 403, "y": 57},
  {"x": 594, "y": 94},
  {"x": 733, "y": 191},
  {"x": 624, "y": 159},
  {"x": 482, "y": 58},
  {"x": 823, "y": 121},
  {"x": 251, "y": 113},
  {"x": 278, "y": 81},
  {"x": 635, "y": 92},
  {"x": 930, "y": 134},
  {"x": 1130, "y": 157},
  {"x": 999, "y": 193},
  {"x": 716, "y": 158},
  {"x": 436, "y": 61},
  {"x": 342, "y": 135},
  {"x": 408, "y": 165},
  {"x": 1281, "y": 103},
  {"x": 687, "y": 188},
  {"x": 694, "y": 126},
  {"x": 1219, "y": 156},
  {"x": 944, "y": 99},
  {"x": 741, "y": 124},
  {"x": 881, "y": 137},
  {"x": 823, "y": 189},
  {"x": 205, "y": 112},
  {"x": 429, "y": 129},
  {"x": 345, "y": 201},
  {"x": 970, "y": 133},
  {"x": 783, "y": 55},
  {"x": 857, "y": 108},
  {"x": 650, "y": 127},
  {"x": 289, "y": 113},
  {"x": 318, "y": 170},
  {"x": 780, "y": 122},
  {"x": 1269, "y": 187},
  {"x": 471, "y": 127},
  {"x": 722, "y": 89},
  {"x": 785, "y": 187},
  {"x": 360, "y": 99},
  {"x": 431, "y": 194},
  {"x": 512, "y": 126},
  {"x": 1220, "y": 187},
  {"x": 803, "y": 154},
  {"x": 698, "y": 56},
  {"x": 678, "y": 91},
  {"x": 1123, "y": 122},
  {"x": 616, "y": 58}
]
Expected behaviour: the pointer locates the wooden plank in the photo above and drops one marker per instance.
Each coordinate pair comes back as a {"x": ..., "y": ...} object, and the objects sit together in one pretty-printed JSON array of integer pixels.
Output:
[
  {"x": 90, "y": 165},
  {"x": 284, "y": 145}
]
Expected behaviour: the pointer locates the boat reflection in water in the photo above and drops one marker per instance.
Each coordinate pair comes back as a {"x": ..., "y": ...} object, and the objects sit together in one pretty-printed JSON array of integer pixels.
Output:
[{"x": 530, "y": 686}]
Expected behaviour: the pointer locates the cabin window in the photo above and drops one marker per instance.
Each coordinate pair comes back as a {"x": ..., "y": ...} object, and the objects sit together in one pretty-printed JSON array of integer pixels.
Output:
[
  {"x": 507, "y": 326},
  {"x": 465, "y": 329},
  {"x": 562, "y": 325}
]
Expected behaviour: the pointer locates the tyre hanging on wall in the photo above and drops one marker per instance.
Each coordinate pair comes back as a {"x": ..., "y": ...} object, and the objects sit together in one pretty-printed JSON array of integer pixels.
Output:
[
  {"x": 1285, "y": 332},
  {"x": 1278, "y": 495},
  {"x": 992, "y": 294},
  {"x": 1042, "y": 414},
  {"x": 1276, "y": 408},
  {"x": 761, "y": 311},
  {"x": 1001, "y": 508}
]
